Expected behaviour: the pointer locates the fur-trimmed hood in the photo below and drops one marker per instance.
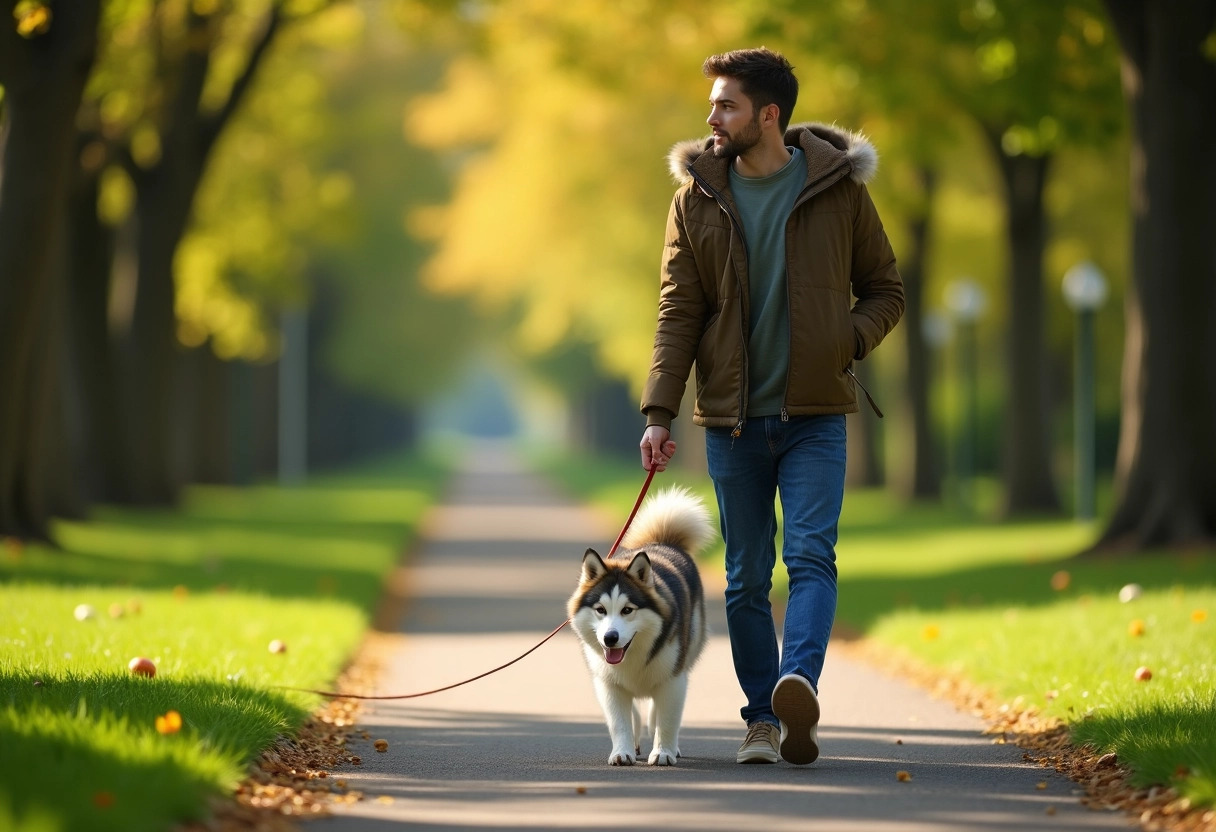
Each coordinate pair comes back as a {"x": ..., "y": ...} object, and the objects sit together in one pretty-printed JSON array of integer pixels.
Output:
[{"x": 826, "y": 148}]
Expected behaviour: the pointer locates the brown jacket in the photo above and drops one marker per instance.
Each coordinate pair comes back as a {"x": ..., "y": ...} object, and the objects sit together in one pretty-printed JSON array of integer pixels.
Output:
[{"x": 836, "y": 249}]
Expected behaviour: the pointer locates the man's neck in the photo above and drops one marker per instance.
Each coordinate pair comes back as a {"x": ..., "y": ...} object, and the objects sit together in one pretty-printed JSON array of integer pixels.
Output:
[{"x": 764, "y": 159}]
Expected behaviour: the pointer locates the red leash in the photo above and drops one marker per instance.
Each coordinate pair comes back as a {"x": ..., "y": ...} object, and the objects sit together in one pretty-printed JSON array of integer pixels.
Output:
[{"x": 637, "y": 504}]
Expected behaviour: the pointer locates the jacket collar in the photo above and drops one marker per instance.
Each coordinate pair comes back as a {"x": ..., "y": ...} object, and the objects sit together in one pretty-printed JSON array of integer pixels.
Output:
[{"x": 827, "y": 149}]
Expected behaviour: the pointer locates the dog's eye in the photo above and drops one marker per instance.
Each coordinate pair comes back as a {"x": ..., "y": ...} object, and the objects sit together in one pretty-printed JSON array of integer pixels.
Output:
[
  {"x": 626, "y": 610},
  {"x": 599, "y": 609}
]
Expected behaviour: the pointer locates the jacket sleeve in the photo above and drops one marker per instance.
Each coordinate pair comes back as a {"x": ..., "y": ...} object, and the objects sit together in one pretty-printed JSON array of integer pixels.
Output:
[
  {"x": 681, "y": 315},
  {"x": 876, "y": 282}
]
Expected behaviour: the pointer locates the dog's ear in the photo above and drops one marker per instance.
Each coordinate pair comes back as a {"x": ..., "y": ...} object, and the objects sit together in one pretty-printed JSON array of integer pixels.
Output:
[
  {"x": 594, "y": 567},
  {"x": 641, "y": 569}
]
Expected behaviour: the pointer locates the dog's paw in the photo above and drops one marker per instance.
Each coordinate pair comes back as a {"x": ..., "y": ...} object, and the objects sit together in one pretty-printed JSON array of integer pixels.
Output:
[
  {"x": 662, "y": 757},
  {"x": 621, "y": 758}
]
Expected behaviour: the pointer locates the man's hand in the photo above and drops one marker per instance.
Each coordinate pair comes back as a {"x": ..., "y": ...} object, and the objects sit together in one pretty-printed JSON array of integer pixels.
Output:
[{"x": 657, "y": 448}]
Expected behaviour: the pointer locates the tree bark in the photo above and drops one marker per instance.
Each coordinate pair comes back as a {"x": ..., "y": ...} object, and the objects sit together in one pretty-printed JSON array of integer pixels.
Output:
[
  {"x": 211, "y": 416},
  {"x": 925, "y": 481},
  {"x": 101, "y": 439},
  {"x": 154, "y": 469},
  {"x": 43, "y": 78},
  {"x": 1029, "y": 486},
  {"x": 1165, "y": 479}
]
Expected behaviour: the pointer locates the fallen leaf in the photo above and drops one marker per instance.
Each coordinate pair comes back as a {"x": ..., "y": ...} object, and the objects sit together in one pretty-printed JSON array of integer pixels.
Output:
[
  {"x": 930, "y": 632},
  {"x": 1060, "y": 581},
  {"x": 903, "y": 776},
  {"x": 1136, "y": 627},
  {"x": 1041, "y": 785},
  {"x": 170, "y": 723},
  {"x": 1199, "y": 616},
  {"x": 381, "y": 745}
]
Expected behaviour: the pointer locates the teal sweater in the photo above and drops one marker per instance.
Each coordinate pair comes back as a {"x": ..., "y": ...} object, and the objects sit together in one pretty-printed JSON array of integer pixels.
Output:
[{"x": 764, "y": 206}]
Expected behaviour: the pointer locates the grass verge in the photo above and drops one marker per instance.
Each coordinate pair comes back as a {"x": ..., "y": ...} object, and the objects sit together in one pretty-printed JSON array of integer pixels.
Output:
[
  {"x": 1008, "y": 607},
  {"x": 201, "y": 591}
]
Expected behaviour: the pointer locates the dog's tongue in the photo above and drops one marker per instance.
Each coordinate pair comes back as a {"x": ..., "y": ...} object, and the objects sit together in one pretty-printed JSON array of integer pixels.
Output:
[{"x": 613, "y": 655}]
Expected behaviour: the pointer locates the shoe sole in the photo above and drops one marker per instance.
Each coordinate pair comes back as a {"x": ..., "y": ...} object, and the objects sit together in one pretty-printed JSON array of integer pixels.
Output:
[
  {"x": 795, "y": 705},
  {"x": 756, "y": 757}
]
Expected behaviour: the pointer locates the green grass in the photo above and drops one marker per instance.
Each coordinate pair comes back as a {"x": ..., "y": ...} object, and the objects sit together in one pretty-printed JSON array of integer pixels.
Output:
[
  {"x": 202, "y": 592},
  {"x": 976, "y": 598}
]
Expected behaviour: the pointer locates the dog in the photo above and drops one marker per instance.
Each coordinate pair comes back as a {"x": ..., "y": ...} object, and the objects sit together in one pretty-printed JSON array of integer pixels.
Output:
[{"x": 640, "y": 615}]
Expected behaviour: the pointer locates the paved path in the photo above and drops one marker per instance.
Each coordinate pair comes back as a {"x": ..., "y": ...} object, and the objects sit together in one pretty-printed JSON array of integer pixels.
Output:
[{"x": 526, "y": 748}]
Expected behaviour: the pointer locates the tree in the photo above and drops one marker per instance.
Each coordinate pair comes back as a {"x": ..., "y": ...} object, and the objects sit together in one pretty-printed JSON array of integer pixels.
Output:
[
  {"x": 182, "y": 136},
  {"x": 1165, "y": 478},
  {"x": 44, "y": 63}
]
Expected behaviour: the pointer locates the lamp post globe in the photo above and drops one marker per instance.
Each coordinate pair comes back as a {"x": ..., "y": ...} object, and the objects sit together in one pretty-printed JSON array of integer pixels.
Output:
[
  {"x": 966, "y": 301},
  {"x": 1084, "y": 288}
]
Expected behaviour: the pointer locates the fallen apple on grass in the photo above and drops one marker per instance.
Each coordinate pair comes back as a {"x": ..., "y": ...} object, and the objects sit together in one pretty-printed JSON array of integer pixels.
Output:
[{"x": 141, "y": 666}]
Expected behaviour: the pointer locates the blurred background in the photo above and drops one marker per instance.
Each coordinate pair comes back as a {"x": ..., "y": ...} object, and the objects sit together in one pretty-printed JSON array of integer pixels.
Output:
[{"x": 244, "y": 239}]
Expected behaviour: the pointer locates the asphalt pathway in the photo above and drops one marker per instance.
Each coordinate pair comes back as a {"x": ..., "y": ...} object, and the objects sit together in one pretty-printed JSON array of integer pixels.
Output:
[{"x": 527, "y": 749}]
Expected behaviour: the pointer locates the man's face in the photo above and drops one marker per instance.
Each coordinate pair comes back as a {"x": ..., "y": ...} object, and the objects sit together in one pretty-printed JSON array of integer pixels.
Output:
[{"x": 735, "y": 122}]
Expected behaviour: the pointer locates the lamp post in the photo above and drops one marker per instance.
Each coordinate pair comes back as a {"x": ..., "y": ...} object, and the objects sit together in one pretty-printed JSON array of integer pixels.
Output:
[
  {"x": 1084, "y": 291},
  {"x": 966, "y": 301},
  {"x": 293, "y": 398}
]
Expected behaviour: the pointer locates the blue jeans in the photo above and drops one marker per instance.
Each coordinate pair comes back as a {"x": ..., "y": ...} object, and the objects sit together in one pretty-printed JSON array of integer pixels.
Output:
[{"x": 803, "y": 459}]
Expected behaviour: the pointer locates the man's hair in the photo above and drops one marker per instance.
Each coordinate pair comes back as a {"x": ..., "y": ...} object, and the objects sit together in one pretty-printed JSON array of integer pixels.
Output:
[{"x": 764, "y": 76}]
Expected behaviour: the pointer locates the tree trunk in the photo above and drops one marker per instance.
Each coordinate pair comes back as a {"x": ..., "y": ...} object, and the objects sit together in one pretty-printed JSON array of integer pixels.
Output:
[
  {"x": 43, "y": 78},
  {"x": 210, "y": 418},
  {"x": 925, "y": 480},
  {"x": 101, "y": 439},
  {"x": 155, "y": 471},
  {"x": 162, "y": 446},
  {"x": 1029, "y": 486},
  {"x": 1165, "y": 477},
  {"x": 863, "y": 462}
]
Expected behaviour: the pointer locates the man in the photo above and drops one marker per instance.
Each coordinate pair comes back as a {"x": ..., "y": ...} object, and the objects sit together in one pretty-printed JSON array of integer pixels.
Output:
[{"x": 769, "y": 237}]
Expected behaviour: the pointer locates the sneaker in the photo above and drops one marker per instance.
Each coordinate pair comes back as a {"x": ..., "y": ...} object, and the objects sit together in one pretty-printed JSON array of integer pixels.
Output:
[
  {"x": 795, "y": 704},
  {"x": 760, "y": 744}
]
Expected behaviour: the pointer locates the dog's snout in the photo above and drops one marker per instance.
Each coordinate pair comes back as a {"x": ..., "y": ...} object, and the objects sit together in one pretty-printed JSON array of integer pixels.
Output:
[{"x": 611, "y": 638}]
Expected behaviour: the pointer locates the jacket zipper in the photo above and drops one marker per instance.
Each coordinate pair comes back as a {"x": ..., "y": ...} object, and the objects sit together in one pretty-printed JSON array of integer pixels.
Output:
[{"x": 738, "y": 227}]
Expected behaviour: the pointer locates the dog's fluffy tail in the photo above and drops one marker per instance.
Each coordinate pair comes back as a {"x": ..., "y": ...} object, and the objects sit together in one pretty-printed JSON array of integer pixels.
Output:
[{"x": 675, "y": 517}]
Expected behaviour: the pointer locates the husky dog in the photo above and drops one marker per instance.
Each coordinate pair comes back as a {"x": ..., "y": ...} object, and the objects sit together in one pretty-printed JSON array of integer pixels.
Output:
[{"x": 640, "y": 615}]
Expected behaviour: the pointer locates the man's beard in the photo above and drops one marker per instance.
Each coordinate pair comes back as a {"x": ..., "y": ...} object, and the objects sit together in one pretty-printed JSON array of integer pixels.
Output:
[{"x": 743, "y": 141}]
